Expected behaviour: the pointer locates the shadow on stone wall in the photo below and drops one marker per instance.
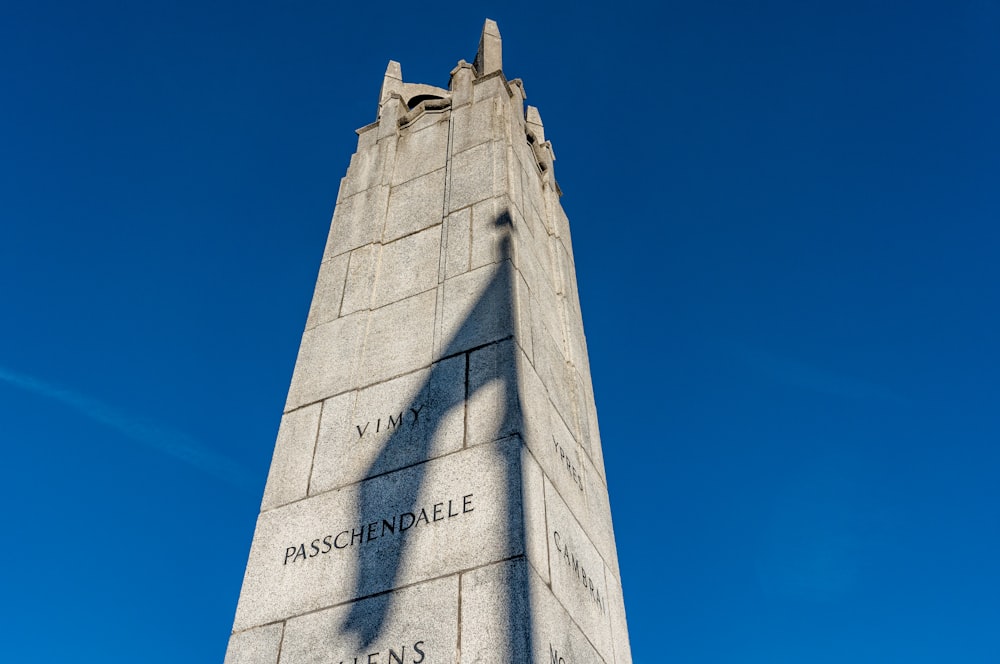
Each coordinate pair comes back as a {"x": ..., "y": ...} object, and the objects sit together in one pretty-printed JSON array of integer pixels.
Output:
[{"x": 366, "y": 619}]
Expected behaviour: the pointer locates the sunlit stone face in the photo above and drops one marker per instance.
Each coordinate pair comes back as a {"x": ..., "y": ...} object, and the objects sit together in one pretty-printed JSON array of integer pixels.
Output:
[{"x": 437, "y": 492}]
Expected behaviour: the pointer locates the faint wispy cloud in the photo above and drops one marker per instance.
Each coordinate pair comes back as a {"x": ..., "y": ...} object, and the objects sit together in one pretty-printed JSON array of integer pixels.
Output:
[
  {"x": 825, "y": 381},
  {"x": 815, "y": 540},
  {"x": 178, "y": 445}
]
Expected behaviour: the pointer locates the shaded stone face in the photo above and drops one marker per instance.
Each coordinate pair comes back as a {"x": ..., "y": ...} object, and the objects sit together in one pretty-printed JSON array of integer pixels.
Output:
[{"x": 437, "y": 491}]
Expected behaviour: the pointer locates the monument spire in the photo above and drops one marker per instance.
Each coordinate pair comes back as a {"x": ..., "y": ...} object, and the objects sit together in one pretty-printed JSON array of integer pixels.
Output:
[
  {"x": 489, "y": 57},
  {"x": 437, "y": 491}
]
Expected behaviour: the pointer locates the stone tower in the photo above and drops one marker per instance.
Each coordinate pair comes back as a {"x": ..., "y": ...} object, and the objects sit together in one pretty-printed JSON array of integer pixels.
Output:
[{"x": 437, "y": 492}]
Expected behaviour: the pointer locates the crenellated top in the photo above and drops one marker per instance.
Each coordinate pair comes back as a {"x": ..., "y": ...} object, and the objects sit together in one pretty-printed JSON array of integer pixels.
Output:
[{"x": 409, "y": 101}]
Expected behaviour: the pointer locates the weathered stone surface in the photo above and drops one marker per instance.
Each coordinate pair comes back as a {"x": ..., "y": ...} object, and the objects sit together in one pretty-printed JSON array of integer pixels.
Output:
[
  {"x": 415, "y": 205},
  {"x": 361, "y": 270},
  {"x": 357, "y": 221},
  {"x": 506, "y": 397},
  {"x": 400, "y": 339},
  {"x": 577, "y": 570},
  {"x": 489, "y": 86},
  {"x": 489, "y": 57},
  {"x": 499, "y": 599},
  {"x": 365, "y": 170},
  {"x": 329, "y": 291},
  {"x": 457, "y": 238},
  {"x": 495, "y": 604},
  {"x": 490, "y": 232},
  {"x": 255, "y": 646},
  {"x": 471, "y": 176},
  {"x": 391, "y": 425},
  {"x": 288, "y": 479},
  {"x": 619, "y": 628},
  {"x": 420, "y": 625},
  {"x": 477, "y": 309},
  {"x": 327, "y": 358},
  {"x": 437, "y": 489},
  {"x": 420, "y": 152},
  {"x": 408, "y": 266},
  {"x": 535, "y": 538},
  {"x": 451, "y": 514},
  {"x": 474, "y": 124}
]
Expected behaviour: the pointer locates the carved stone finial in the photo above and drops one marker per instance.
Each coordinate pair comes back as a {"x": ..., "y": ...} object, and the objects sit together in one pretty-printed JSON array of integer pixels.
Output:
[
  {"x": 392, "y": 83},
  {"x": 534, "y": 121},
  {"x": 489, "y": 57}
]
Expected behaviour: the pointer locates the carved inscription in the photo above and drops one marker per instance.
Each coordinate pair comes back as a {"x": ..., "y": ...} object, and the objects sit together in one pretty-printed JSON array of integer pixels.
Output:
[
  {"x": 569, "y": 558},
  {"x": 368, "y": 532},
  {"x": 414, "y": 656},
  {"x": 409, "y": 417},
  {"x": 571, "y": 469},
  {"x": 555, "y": 657}
]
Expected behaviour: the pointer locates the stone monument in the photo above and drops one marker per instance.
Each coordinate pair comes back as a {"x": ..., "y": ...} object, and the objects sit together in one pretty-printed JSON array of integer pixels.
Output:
[{"x": 437, "y": 492}]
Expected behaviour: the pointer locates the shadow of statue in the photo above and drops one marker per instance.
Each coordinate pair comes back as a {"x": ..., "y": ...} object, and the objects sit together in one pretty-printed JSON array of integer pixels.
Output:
[{"x": 495, "y": 303}]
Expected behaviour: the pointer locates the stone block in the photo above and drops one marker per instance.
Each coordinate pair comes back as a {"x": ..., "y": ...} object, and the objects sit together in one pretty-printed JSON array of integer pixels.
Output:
[
  {"x": 420, "y": 152},
  {"x": 522, "y": 316},
  {"x": 488, "y": 87},
  {"x": 576, "y": 480},
  {"x": 415, "y": 624},
  {"x": 400, "y": 339},
  {"x": 427, "y": 118},
  {"x": 548, "y": 330},
  {"x": 255, "y": 646},
  {"x": 619, "y": 628},
  {"x": 408, "y": 266},
  {"x": 357, "y": 221},
  {"x": 391, "y": 425},
  {"x": 490, "y": 232},
  {"x": 423, "y": 522},
  {"x": 509, "y": 615},
  {"x": 288, "y": 478},
  {"x": 457, "y": 239},
  {"x": 594, "y": 446},
  {"x": 329, "y": 291},
  {"x": 513, "y": 167},
  {"x": 478, "y": 309},
  {"x": 415, "y": 205},
  {"x": 390, "y": 111},
  {"x": 526, "y": 258},
  {"x": 532, "y": 191},
  {"x": 561, "y": 226},
  {"x": 496, "y": 614},
  {"x": 555, "y": 374},
  {"x": 327, "y": 359},
  {"x": 365, "y": 170},
  {"x": 535, "y": 537},
  {"x": 461, "y": 82},
  {"x": 505, "y": 396},
  {"x": 361, "y": 269},
  {"x": 578, "y": 573},
  {"x": 555, "y": 637},
  {"x": 471, "y": 176},
  {"x": 473, "y": 124}
]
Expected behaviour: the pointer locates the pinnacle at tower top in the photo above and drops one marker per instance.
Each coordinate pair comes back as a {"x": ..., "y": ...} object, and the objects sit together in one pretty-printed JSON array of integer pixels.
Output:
[{"x": 437, "y": 491}]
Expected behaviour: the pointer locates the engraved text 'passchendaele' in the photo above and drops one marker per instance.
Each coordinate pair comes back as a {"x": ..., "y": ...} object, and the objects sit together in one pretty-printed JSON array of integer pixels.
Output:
[{"x": 375, "y": 530}]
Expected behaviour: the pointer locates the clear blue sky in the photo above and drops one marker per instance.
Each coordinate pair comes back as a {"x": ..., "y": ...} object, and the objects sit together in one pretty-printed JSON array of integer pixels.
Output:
[{"x": 785, "y": 217}]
